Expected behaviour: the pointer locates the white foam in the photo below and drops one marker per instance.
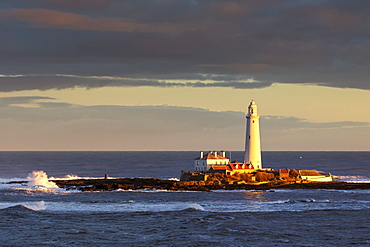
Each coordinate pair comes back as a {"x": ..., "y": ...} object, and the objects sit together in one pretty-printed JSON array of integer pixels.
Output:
[
  {"x": 75, "y": 177},
  {"x": 354, "y": 179},
  {"x": 36, "y": 205},
  {"x": 196, "y": 206},
  {"x": 39, "y": 178},
  {"x": 35, "y": 189},
  {"x": 279, "y": 201}
]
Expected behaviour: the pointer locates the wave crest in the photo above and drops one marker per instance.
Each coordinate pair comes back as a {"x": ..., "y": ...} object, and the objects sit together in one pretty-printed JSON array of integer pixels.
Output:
[{"x": 39, "y": 178}]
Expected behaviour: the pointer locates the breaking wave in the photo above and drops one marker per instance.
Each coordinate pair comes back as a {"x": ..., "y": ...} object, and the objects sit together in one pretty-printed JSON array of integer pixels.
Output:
[{"x": 39, "y": 178}]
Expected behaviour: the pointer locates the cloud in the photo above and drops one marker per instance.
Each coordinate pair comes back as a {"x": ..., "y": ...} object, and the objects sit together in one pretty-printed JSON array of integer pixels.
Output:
[
  {"x": 293, "y": 124},
  {"x": 21, "y": 100},
  {"x": 81, "y": 5},
  {"x": 295, "y": 134},
  {"x": 51, "y": 19},
  {"x": 161, "y": 128},
  {"x": 114, "y": 128},
  {"x": 302, "y": 42}
]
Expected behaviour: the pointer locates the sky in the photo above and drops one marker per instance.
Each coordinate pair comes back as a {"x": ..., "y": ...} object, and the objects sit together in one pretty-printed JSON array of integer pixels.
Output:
[{"x": 139, "y": 75}]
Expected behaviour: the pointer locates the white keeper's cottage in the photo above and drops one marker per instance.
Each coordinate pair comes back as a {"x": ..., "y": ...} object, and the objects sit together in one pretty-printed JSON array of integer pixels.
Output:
[
  {"x": 205, "y": 161},
  {"x": 216, "y": 162}
]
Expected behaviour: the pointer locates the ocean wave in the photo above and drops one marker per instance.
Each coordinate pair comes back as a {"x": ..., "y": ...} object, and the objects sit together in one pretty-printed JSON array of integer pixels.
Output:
[
  {"x": 110, "y": 207},
  {"x": 279, "y": 202},
  {"x": 19, "y": 206},
  {"x": 41, "y": 189},
  {"x": 354, "y": 179},
  {"x": 303, "y": 205},
  {"x": 195, "y": 206}
]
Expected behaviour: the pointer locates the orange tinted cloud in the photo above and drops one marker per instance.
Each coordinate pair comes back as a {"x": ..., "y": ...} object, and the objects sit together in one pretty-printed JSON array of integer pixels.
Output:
[
  {"x": 51, "y": 19},
  {"x": 231, "y": 9}
]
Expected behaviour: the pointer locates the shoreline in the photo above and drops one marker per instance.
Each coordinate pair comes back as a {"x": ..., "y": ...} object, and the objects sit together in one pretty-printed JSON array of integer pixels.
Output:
[{"x": 172, "y": 185}]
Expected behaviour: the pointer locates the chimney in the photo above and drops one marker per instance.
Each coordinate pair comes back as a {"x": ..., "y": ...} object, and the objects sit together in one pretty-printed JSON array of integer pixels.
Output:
[
  {"x": 223, "y": 153},
  {"x": 201, "y": 154},
  {"x": 215, "y": 153}
]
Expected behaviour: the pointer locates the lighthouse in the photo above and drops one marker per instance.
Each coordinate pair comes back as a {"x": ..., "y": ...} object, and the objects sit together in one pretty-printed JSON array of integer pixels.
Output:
[{"x": 252, "y": 153}]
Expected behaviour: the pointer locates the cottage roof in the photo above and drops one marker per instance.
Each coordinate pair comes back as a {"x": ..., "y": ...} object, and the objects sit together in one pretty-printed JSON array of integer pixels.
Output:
[
  {"x": 235, "y": 161},
  {"x": 210, "y": 156},
  {"x": 220, "y": 168}
]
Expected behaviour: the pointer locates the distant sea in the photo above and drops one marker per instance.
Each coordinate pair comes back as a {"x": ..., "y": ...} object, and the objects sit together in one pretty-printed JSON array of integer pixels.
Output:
[{"x": 32, "y": 215}]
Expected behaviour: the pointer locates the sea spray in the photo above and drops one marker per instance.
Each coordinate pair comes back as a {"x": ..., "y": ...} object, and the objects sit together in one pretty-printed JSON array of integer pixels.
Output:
[{"x": 39, "y": 178}]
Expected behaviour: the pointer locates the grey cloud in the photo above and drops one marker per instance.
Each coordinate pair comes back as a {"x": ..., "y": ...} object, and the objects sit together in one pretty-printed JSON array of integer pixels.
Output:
[
  {"x": 289, "y": 133},
  {"x": 298, "y": 124},
  {"x": 57, "y": 111},
  {"x": 117, "y": 128},
  {"x": 325, "y": 42},
  {"x": 55, "y": 105},
  {"x": 8, "y": 101},
  {"x": 165, "y": 115},
  {"x": 161, "y": 128}
]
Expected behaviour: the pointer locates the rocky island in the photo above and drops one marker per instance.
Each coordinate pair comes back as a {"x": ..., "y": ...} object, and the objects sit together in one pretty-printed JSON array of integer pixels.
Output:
[{"x": 213, "y": 183}]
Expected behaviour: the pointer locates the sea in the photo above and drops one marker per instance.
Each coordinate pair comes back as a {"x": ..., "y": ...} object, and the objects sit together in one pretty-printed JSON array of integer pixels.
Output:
[{"x": 33, "y": 212}]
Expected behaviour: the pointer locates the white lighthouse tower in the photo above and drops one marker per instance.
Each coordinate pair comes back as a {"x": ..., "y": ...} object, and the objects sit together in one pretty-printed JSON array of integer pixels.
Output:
[{"x": 252, "y": 153}]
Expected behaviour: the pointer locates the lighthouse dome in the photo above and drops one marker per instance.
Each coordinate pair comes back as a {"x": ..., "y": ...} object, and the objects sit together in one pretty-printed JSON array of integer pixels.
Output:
[
  {"x": 252, "y": 104},
  {"x": 252, "y": 109}
]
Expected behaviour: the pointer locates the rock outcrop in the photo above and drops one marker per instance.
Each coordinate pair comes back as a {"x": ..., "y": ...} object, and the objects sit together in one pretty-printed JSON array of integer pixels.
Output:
[{"x": 165, "y": 184}]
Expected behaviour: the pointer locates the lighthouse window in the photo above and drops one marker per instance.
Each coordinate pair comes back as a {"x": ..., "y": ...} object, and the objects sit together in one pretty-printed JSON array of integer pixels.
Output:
[{"x": 253, "y": 121}]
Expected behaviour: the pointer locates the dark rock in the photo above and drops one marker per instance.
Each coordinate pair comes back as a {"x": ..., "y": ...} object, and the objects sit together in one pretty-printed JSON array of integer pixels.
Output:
[{"x": 164, "y": 184}]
